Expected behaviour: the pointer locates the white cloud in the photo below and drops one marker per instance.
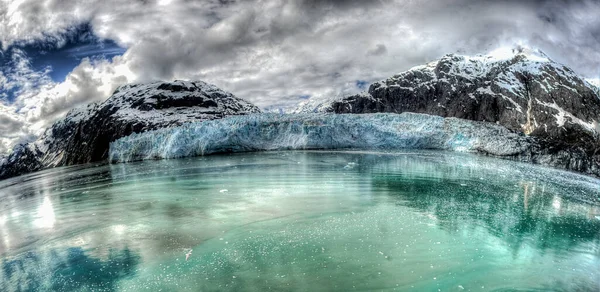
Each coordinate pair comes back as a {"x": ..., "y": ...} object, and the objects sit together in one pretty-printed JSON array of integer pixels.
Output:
[
  {"x": 40, "y": 101},
  {"x": 20, "y": 76},
  {"x": 91, "y": 81},
  {"x": 13, "y": 128},
  {"x": 271, "y": 52}
]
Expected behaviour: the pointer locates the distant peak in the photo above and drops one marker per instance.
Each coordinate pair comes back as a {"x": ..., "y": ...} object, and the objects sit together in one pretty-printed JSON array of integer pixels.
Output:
[
  {"x": 501, "y": 54},
  {"x": 508, "y": 53}
]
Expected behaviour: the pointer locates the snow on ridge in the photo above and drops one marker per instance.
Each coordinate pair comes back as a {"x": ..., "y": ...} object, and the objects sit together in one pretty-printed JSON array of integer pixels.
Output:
[
  {"x": 480, "y": 64},
  {"x": 321, "y": 104},
  {"x": 429, "y": 66},
  {"x": 508, "y": 53},
  {"x": 593, "y": 81},
  {"x": 594, "y": 85},
  {"x": 314, "y": 105},
  {"x": 516, "y": 60},
  {"x": 177, "y": 89},
  {"x": 79, "y": 113},
  {"x": 260, "y": 132},
  {"x": 126, "y": 97}
]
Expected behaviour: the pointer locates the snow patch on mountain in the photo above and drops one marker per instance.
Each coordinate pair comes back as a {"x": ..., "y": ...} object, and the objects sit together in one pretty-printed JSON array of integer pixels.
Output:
[{"x": 562, "y": 115}]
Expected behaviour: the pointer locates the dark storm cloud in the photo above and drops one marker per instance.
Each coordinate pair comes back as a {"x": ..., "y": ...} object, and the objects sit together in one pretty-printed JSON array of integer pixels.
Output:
[{"x": 273, "y": 51}]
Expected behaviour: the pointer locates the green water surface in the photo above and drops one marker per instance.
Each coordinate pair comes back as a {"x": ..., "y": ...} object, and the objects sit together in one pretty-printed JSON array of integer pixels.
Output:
[{"x": 304, "y": 221}]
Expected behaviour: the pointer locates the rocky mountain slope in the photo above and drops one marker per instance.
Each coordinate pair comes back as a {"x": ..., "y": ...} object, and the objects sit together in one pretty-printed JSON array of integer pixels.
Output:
[
  {"x": 521, "y": 89},
  {"x": 85, "y": 133}
]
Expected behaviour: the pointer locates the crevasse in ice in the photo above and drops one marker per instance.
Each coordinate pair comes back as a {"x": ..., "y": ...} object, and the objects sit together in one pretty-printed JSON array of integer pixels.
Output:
[{"x": 259, "y": 132}]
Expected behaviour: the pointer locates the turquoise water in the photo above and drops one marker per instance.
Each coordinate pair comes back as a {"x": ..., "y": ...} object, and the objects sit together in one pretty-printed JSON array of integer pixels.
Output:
[{"x": 310, "y": 221}]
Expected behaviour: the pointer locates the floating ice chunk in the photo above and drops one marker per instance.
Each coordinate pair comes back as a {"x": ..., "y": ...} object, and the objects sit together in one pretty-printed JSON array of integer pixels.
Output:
[
  {"x": 223, "y": 191},
  {"x": 350, "y": 165}
]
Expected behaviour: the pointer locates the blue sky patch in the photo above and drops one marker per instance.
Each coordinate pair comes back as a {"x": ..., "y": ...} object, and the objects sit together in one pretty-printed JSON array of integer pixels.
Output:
[
  {"x": 361, "y": 84},
  {"x": 79, "y": 43}
]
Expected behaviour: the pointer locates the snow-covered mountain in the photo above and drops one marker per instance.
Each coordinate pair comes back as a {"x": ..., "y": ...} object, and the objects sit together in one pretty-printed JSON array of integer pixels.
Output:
[
  {"x": 85, "y": 133},
  {"x": 521, "y": 89}
]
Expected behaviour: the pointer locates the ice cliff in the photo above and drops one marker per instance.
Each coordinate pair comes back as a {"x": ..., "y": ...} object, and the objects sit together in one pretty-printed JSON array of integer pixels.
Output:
[{"x": 319, "y": 131}]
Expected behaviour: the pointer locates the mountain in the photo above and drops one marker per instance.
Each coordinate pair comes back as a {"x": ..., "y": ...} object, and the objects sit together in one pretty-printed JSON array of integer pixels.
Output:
[
  {"x": 521, "y": 89},
  {"x": 551, "y": 108},
  {"x": 85, "y": 133}
]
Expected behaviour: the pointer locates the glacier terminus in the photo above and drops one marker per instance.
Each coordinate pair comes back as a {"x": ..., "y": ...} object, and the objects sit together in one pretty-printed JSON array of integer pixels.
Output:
[{"x": 258, "y": 132}]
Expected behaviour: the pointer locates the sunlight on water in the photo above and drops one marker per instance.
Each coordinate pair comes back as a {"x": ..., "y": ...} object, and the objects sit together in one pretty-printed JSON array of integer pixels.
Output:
[{"x": 311, "y": 221}]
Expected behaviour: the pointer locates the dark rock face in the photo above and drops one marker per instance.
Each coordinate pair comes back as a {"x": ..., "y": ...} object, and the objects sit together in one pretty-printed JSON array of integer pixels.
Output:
[
  {"x": 525, "y": 92},
  {"x": 24, "y": 159},
  {"x": 85, "y": 133}
]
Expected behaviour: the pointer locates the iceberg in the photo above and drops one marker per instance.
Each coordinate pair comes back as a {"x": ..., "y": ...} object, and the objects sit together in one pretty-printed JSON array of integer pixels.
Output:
[{"x": 262, "y": 132}]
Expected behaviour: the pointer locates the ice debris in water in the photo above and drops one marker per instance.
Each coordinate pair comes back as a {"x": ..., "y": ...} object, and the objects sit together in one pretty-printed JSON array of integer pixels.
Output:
[
  {"x": 350, "y": 165},
  {"x": 318, "y": 131}
]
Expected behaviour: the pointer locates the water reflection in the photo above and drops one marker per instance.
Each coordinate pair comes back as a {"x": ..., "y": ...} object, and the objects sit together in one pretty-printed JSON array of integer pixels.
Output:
[
  {"x": 321, "y": 220},
  {"x": 45, "y": 214},
  {"x": 68, "y": 269},
  {"x": 543, "y": 217}
]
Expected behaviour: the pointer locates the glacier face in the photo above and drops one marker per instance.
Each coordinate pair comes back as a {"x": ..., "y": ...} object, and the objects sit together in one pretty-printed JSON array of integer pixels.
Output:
[{"x": 260, "y": 132}]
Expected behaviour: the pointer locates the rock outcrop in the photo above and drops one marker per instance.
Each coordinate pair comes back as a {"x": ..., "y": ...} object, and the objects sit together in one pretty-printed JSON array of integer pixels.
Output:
[
  {"x": 84, "y": 135},
  {"x": 522, "y": 90}
]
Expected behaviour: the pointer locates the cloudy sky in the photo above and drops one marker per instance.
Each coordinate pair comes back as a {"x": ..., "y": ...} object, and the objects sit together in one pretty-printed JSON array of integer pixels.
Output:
[{"x": 59, "y": 54}]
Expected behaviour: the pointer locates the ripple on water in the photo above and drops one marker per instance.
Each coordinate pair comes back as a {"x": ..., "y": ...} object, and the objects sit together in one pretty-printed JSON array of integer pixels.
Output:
[{"x": 302, "y": 220}]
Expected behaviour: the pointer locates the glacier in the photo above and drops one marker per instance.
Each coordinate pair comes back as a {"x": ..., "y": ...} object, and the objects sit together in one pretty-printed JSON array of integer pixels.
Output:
[{"x": 262, "y": 132}]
